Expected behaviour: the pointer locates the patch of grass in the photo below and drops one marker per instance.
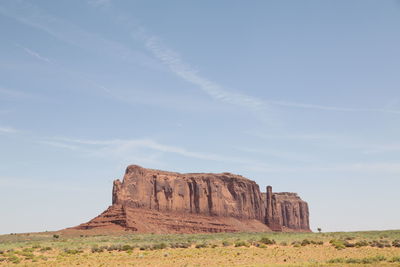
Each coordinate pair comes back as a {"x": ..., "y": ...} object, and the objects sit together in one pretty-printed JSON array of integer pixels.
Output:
[
  {"x": 226, "y": 243},
  {"x": 242, "y": 244},
  {"x": 72, "y": 251},
  {"x": 180, "y": 245},
  {"x": 380, "y": 243},
  {"x": 202, "y": 245},
  {"x": 338, "y": 244},
  {"x": 296, "y": 244},
  {"x": 160, "y": 246},
  {"x": 361, "y": 243},
  {"x": 395, "y": 259},
  {"x": 144, "y": 247},
  {"x": 396, "y": 243},
  {"x": 45, "y": 249},
  {"x": 14, "y": 259},
  {"x": 127, "y": 247},
  {"x": 267, "y": 241},
  {"x": 114, "y": 248},
  {"x": 368, "y": 260},
  {"x": 364, "y": 247}
]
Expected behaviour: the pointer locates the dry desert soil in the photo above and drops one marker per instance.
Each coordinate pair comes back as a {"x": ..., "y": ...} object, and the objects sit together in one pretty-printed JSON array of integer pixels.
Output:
[{"x": 374, "y": 248}]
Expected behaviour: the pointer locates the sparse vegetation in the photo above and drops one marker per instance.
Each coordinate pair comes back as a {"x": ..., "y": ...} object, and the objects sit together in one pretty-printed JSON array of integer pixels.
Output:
[
  {"x": 241, "y": 244},
  {"x": 159, "y": 246},
  {"x": 267, "y": 241},
  {"x": 259, "y": 249}
]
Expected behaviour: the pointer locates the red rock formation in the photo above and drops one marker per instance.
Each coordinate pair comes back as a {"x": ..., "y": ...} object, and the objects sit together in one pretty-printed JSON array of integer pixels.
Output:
[
  {"x": 158, "y": 201},
  {"x": 272, "y": 217},
  {"x": 293, "y": 212}
]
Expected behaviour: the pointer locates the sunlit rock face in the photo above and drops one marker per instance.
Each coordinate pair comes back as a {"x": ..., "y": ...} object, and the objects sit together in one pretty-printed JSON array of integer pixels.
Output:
[{"x": 150, "y": 200}]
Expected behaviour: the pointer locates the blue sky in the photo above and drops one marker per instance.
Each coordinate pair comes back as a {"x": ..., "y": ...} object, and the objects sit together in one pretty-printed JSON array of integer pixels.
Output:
[{"x": 300, "y": 95}]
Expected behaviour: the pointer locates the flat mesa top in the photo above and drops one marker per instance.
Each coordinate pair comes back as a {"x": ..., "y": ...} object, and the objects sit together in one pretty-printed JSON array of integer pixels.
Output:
[{"x": 137, "y": 168}]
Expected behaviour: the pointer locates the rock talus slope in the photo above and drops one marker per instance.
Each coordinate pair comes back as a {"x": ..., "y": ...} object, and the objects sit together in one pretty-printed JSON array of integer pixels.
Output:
[{"x": 157, "y": 201}]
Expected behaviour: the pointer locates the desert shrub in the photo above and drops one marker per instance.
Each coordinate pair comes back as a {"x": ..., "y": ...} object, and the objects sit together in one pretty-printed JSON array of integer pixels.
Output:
[
  {"x": 361, "y": 243},
  {"x": 380, "y": 244},
  {"x": 378, "y": 258},
  {"x": 372, "y": 260},
  {"x": 348, "y": 244},
  {"x": 126, "y": 247},
  {"x": 73, "y": 251},
  {"x": 267, "y": 241},
  {"x": 41, "y": 257},
  {"x": 305, "y": 242},
  {"x": 396, "y": 243},
  {"x": 283, "y": 243},
  {"x": 36, "y": 246},
  {"x": 144, "y": 247},
  {"x": 395, "y": 259},
  {"x": 28, "y": 255},
  {"x": 56, "y": 236},
  {"x": 159, "y": 246},
  {"x": 336, "y": 260},
  {"x": 242, "y": 244},
  {"x": 45, "y": 249},
  {"x": 14, "y": 259},
  {"x": 28, "y": 249},
  {"x": 338, "y": 244},
  {"x": 1, "y": 252},
  {"x": 296, "y": 244},
  {"x": 202, "y": 245},
  {"x": 179, "y": 245},
  {"x": 114, "y": 247},
  {"x": 97, "y": 249},
  {"x": 262, "y": 246},
  {"x": 352, "y": 260},
  {"x": 226, "y": 243},
  {"x": 369, "y": 260}
]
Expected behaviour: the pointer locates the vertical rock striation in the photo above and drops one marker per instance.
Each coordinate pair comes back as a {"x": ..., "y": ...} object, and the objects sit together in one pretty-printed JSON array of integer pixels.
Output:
[{"x": 199, "y": 202}]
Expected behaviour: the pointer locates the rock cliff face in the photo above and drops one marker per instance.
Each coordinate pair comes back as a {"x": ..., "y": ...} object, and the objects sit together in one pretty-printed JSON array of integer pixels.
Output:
[{"x": 158, "y": 201}]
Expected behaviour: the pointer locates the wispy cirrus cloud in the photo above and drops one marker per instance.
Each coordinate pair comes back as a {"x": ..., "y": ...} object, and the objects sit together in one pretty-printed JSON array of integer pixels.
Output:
[
  {"x": 124, "y": 146},
  {"x": 8, "y": 130},
  {"x": 343, "y": 168},
  {"x": 330, "y": 108},
  {"x": 174, "y": 62},
  {"x": 32, "y": 16},
  {"x": 381, "y": 148},
  {"x": 130, "y": 149},
  {"x": 296, "y": 136},
  {"x": 34, "y": 54}
]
